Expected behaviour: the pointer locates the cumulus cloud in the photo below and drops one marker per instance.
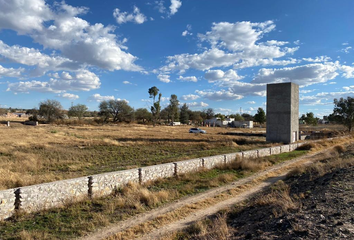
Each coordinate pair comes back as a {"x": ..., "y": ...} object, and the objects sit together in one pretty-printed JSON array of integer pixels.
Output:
[
  {"x": 164, "y": 78},
  {"x": 83, "y": 80},
  {"x": 98, "y": 98},
  {"x": 346, "y": 50},
  {"x": 220, "y": 76},
  {"x": 175, "y": 5},
  {"x": 251, "y": 102},
  {"x": 126, "y": 82},
  {"x": 234, "y": 44},
  {"x": 188, "y": 79},
  {"x": 318, "y": 59},
  {"x": 187, "y": 32},
  {"x": 219, "y": 95},
  {"x": 197, "y": 104},
  {"x": 325, "y": 98},
  {"x": 123, "y": 17},
  {"x": 75, "y": 38},
  {"x": 10, "y": 72},
  {"x": 304, "y": 75},
  {"x": 69, "y": 96},
  {"x": 190, "y": 97}
]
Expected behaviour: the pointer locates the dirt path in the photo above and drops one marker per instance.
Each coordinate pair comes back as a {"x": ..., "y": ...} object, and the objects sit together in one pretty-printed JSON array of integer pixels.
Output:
[{"x": 199, "y": 206}]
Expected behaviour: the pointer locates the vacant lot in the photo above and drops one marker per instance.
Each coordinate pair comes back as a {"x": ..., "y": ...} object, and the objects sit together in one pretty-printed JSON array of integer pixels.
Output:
[{"x": 31, "y": 155}]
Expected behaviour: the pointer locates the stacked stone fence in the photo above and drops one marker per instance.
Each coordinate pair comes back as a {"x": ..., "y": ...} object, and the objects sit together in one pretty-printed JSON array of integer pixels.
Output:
[{"x": 55, "y": 194}]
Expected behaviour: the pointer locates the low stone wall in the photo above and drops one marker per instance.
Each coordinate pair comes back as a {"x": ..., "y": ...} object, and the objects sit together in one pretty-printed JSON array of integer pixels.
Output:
[
  {"x": 188, "y": 166},
  {"x": 264, "y": 152},
  {"x": 250, "y": 154},
  {"x": 55, "y": 194},
  {"x": 157, "y": 171},
  {"x": 275, "y": 150},
  {"x": 106, "y": 183},
  {"x": 7, "y": 203},
  {"x": 284, "y": 148},
  {"x": 211, "y": 162}
]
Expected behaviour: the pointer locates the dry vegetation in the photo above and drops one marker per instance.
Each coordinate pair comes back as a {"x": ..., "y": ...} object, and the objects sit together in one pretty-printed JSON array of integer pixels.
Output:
[
  {"x": 32, "y": 155},
  {"x": 277, "y": 203}
]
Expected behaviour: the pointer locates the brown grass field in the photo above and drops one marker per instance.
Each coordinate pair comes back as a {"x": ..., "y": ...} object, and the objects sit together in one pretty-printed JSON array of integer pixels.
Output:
[{"x": 31, "y": 155}]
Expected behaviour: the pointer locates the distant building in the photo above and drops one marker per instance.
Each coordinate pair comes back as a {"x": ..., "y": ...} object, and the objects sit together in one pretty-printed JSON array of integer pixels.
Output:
[
  {"x": 216, "y": 122},
  {"x": 242, "y": 124}
]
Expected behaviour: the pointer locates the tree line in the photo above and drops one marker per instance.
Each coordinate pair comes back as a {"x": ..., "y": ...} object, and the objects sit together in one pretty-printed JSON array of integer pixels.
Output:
[{"x": 121, "y": 111}]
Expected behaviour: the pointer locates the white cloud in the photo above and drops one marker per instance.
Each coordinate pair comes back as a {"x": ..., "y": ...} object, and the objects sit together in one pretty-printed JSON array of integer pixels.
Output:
[
  {"x": 307, "y": 91},
  {"x": 233, "y": 44},
  {"x": 297, "y": 42},
  {"x": 10, "y": 72},
  {"x": 69, "y": 96},
  {"x": 223, "y": 110},
  {"x": 159, "y": 6},
  {"x": 123, "y": 17},
  {"x": 346, "y": 50},
  {"x": 348, "y": 88},
  {"x": 190, "y": 97},
  {"x": 345, "y": 44},
  {"x": 82, "y": 80},
  {"x": 187, "y": 32},
  {"x": 325, "y": 98},
  {"x": 98, "y": 98},
  {"x": 197, "y": 104},
  {"x": 220, "y": 76},
  {"x": 219, "y": 95},
  {"x": 164, "y": 78},
  {"x": 188, "y": 79},
  {"x": 304, "y": 75},
  {"x": 126, "y": 82},
  {"x": 175, "y": 5},
  {"x": 318, "y": 59},
  {"x": 251, "y": 102},
  {"x": 75, "y": 38},
  {"x": 348, "y": 71}
]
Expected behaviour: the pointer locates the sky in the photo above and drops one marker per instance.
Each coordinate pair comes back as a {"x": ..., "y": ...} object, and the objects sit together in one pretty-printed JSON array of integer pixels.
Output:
[{"x": 216, "y": 54}]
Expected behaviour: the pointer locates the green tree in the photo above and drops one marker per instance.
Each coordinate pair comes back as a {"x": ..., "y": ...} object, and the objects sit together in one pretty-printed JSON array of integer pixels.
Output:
[
  {"x": 51, "y": 110},
  {"x": 156, "y": 107},
  {"x": 184, "y": 114},
  {"x": 343, "y": 111},
  {"x": 118, "y": 110},
  {"x": 142, "y": 114},
  {"x": 78, "y": 111},
  {"x": 247, "y": 117},
  {"x": 309, "y": 118},
  {"x": 260, "y": 116},
  {"x": 173, "y": 108},
  {"x": 209, "y": 113},
  {"x": 238, "y": 117}
]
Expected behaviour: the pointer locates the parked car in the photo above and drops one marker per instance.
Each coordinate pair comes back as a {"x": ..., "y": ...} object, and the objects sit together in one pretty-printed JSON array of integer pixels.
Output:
[{"x": 196, "y": 130}]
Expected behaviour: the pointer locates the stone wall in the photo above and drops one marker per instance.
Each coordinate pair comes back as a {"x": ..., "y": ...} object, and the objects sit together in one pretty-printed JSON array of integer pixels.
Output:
[
  {"x": 55, "y": 194},
  {"x": 106, "y": 183},
  {"x": 7, "y": 203},
  {"x": 157, "y": 171},
  {"x": 48, "y": 195}
]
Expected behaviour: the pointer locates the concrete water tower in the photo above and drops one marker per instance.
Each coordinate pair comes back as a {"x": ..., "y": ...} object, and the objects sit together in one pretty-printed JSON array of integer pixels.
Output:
[{"x": 283, "y": 112}]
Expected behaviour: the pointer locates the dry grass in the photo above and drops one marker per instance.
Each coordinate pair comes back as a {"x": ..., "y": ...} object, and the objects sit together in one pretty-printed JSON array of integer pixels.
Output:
[{"x": 31, "y": 155}]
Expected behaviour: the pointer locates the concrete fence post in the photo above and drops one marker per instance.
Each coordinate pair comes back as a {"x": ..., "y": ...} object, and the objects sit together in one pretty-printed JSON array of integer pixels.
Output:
[
  {"x": 8, "y": 124},
  {"x": 36, "y": 123},
  {"x": 140, "y": 176},
  {"x": 175, "y": 169}
]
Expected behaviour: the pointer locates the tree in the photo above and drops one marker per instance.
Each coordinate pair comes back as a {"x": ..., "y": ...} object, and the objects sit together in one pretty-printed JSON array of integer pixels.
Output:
[
  {"x": 343, "y": 112},
  {"x": 173, "y": 107},
  {"x": 119, "y": 110},
  {"x": 51, "y": 110},
  {"x": 78, "y": 111},
  {"x": 309, "y": 118},
  {"x": 3, "y": 111},
  {"x": 247, "y": 117},
  {"x": 209, "y": 113},
  {"x": 156, "y": 107},
  {"x": 260, "y": 116},
  {"x": 238, "y": 117},
  {"x": 184, "y": 114},
  {"x": 142, "y": 114}
]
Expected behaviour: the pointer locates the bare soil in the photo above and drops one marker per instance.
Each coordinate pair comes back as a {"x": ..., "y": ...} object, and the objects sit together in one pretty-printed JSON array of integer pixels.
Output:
[{"x": 326, "y": 210}]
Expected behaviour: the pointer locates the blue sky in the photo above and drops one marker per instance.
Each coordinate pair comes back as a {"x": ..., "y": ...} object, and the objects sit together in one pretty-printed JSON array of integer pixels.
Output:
[{"x": 218, "y": 54}]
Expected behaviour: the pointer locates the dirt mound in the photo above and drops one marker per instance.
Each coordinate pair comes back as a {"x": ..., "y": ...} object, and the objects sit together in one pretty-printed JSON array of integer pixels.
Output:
[{"x": 323, "y": 210}]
